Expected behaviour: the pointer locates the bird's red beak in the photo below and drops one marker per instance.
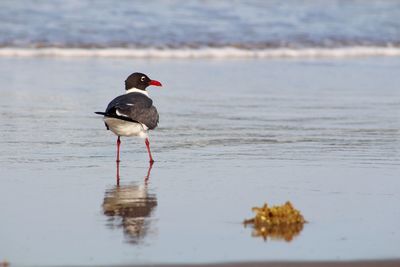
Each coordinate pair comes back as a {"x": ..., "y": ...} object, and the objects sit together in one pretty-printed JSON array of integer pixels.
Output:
[{"x": 155, "y": 83}]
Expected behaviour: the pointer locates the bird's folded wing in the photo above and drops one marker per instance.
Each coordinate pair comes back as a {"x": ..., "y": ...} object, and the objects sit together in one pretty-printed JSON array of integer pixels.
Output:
[
  {"x": 124, "y": 109},
  {"x": 145, "y": 115},
  {"x": 134, "y": 107}
]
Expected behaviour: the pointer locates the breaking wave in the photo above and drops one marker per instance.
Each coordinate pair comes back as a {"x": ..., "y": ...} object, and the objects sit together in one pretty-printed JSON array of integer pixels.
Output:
[{"x": 193, "y": 53}]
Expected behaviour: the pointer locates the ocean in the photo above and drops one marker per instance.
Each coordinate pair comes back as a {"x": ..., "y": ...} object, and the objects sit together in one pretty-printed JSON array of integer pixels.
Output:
[{"x": 200, "y": 28}]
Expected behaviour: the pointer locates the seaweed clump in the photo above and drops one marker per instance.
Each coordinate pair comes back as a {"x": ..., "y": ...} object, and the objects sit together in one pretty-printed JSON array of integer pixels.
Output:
[{"x": 276, "y": 222}]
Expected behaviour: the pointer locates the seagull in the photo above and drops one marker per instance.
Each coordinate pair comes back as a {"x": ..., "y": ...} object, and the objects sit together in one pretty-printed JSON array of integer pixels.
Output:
[{"x": 133, "y": 113}]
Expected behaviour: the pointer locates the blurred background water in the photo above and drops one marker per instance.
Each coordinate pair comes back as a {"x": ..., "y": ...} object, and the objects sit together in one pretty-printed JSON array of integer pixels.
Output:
[{"x": 180, "y": 24}]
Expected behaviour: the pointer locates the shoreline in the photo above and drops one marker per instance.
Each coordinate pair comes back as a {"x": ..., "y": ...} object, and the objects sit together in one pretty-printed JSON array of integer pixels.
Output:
[
  {"x": 356, "y": 263},
  {"x": 202, "y": 53}
]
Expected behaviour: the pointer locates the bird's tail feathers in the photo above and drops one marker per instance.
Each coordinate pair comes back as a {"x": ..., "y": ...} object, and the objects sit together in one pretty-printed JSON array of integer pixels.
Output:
[{"x": 115, "y": 116}]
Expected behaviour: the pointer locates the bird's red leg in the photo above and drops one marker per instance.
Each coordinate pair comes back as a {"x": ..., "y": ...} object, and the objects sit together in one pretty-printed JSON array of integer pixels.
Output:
[
  {"x": 146, "y": 179},
  {"x": 148, "y": 150},
  {"x": 117, "y": 173},
  {"x": 118, "y": 144}
]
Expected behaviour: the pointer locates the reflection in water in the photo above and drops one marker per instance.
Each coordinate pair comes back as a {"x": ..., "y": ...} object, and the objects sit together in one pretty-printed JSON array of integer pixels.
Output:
[
  {"x": 129, "y": 207},
  {"x": 277, "y": 222},
  {"x": 278, "y": 232}
]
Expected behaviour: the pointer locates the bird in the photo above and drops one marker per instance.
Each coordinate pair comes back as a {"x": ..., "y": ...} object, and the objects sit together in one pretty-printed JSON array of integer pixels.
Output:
[{"x": 133, "y": 113}]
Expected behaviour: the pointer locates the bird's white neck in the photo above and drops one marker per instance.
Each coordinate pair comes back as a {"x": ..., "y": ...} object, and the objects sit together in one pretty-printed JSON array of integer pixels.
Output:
[{"x": 136, "y": 90}]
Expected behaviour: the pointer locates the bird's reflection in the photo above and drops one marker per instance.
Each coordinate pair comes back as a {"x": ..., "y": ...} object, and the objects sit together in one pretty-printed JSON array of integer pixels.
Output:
[{"x": 130, "y": 207}]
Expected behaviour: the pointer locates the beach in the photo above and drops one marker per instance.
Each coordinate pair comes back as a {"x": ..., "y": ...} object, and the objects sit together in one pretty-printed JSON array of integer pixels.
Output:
[
  {"x": 322, "y": 133},
  {"x": 278, "y": 142}
]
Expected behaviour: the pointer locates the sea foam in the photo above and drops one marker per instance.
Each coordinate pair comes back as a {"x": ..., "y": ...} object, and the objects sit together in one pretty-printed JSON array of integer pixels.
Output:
[{"x": 217, "y": 53}]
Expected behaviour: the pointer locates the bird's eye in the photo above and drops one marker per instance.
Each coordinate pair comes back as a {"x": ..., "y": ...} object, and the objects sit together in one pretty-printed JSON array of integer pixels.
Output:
[{"x": 143, "y": 78}]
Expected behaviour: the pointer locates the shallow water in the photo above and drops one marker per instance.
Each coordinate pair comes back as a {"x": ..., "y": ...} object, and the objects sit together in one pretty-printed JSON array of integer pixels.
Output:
[{"x": 233, "y": 134}]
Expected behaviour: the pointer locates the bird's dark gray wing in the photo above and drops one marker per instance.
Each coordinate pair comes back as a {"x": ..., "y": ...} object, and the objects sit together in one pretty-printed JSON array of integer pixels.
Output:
[{"x": 134, "y": 106}]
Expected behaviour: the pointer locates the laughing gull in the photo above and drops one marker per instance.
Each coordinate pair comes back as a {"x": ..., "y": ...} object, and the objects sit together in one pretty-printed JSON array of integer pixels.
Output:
[{"x": 133, "y": 113}]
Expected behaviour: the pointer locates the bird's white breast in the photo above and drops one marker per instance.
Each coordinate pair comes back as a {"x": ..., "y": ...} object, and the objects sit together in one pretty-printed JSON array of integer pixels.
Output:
[{"x": 126, "y": 128}]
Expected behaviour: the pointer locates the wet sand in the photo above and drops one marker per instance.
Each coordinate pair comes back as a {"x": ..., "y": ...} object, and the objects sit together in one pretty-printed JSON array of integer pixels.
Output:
[
  {"x": 387, "y": 263},
  {"x": 233, "y": 134}
]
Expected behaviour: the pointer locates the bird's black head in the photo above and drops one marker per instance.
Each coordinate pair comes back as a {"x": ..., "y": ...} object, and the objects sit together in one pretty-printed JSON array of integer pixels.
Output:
[{"x": 140, "y": 81}]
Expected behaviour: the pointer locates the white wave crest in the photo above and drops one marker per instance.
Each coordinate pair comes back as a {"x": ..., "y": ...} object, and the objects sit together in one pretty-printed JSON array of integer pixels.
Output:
[{"x": 224, "y": 52}]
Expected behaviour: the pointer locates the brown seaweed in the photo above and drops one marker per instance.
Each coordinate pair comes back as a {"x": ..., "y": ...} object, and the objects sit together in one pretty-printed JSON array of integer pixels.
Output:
[{"x": 276, "y": 222}]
